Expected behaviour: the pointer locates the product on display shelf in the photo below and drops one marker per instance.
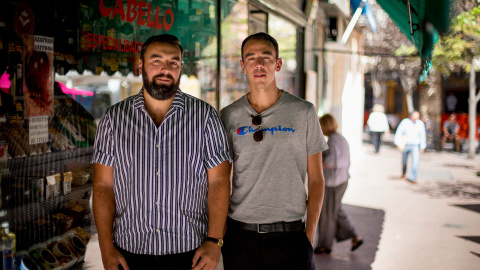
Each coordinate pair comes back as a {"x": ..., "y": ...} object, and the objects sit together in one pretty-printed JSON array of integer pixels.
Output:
[
  {"x": 38, "y": 188},
  {"x": 8, "y": 246},
  {"x": 62, "y": 222},
  {"x": 51, "y": 186},
  {"x": 62, "y": 252},
  {"x": 72, "y": 133},
  {"x": 80, "y": 177},
  {"x": 80, "y": 211},
  {"x": 58, "y": 185},
  {"x": 77, "y": 240},
  {"x": 67, "y": 182},
  {"x": 59, "y": 141},
  {"x": 44, "y": 257}
]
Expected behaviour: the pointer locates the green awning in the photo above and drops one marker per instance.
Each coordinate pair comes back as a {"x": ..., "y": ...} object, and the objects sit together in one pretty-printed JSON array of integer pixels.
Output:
[{"x": 429, "y": 18}]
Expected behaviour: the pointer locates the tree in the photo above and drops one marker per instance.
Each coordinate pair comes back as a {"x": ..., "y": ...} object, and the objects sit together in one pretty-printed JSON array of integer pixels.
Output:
[
  {"x": 391, "y": 57},
  {"x": 459, "y": 50}
]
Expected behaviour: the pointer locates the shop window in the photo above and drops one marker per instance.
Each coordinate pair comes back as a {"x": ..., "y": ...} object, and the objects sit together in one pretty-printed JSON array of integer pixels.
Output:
[
  {"x": 62, "y": 64},
  {"x": 332, "y": 29},
  {"x": 234, "y": 31},
  {"x": 286, "y": 35}
]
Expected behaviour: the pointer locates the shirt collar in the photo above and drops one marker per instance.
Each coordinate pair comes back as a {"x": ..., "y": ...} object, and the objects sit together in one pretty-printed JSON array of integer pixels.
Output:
[{"x": 178, "y": 100}]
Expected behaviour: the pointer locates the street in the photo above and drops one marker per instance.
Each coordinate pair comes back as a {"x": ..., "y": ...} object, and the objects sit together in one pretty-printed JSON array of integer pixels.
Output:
[{"x": 434, "y": 224}]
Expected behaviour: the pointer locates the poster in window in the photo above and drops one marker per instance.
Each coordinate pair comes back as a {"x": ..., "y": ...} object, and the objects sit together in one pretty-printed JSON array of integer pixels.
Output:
[{"x": 38, "y": 77}]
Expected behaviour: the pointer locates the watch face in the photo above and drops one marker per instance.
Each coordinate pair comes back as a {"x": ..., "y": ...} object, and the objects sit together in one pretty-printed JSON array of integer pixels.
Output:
[{"x": 220, "y": 242}]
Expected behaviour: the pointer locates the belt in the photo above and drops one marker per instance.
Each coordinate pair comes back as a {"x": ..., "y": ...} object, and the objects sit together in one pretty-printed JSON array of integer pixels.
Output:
[{"x": 292, "y": 226}]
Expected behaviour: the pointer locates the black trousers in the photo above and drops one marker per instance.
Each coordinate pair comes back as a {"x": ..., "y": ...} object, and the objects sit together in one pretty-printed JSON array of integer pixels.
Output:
[
  {"x": 171, "y": 261},
  {"x": 250, "y": 250},
  {"x": 376, "y": 140}
]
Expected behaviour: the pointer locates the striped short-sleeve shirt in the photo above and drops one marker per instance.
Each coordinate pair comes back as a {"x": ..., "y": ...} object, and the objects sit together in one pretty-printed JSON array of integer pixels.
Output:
[{"x": 160, "y": 173}]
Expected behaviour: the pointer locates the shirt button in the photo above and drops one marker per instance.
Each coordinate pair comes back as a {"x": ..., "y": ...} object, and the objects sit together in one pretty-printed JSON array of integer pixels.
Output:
[
  {"x": 158, "y": 145},
  {"x": 157, "y": 203},
  {"x": 158, "y": 173},
  {"x": 157, "y": 230}
]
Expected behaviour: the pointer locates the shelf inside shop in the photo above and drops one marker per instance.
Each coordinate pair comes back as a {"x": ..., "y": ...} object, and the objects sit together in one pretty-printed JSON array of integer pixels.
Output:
[
  {"x": 43, "y": 164},
  {"x": 34, "y": 210}
]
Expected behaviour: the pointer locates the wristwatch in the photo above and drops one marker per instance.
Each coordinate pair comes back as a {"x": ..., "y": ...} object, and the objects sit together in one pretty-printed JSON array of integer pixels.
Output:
[{"x": 219, "y": 242}]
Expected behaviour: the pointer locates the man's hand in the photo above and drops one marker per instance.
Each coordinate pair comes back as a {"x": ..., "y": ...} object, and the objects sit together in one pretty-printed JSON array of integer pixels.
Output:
[
  {"x": 112, "y": 258},
  {"x": 422, "y": 151},
  {"x": 209, "y": 255},
  {"x": 310, "y": 236}
]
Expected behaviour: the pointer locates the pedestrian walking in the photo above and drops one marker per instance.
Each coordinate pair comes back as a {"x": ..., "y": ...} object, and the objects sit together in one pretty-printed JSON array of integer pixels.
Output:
[
  {"x": 334, "y": 223},
  {"x": 161, "y": 181},
  {"x": 410, "y": 138},
  {"x": 378, "y": 125},
  {"x": 275, "y": 140}
]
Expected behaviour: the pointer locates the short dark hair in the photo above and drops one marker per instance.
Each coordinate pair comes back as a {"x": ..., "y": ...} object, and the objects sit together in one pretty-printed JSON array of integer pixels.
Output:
[
  {"x": 167, "y": 38},
  {"x": 262, "y": 36}
]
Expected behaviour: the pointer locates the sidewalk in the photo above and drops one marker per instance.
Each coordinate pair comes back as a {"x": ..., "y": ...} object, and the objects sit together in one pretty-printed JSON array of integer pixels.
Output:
[{"x": 434, "y": 224}]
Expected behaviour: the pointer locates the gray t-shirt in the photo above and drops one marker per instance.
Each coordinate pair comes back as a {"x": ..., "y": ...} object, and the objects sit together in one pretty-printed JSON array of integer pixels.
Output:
[{"x": 268, "y": 176}]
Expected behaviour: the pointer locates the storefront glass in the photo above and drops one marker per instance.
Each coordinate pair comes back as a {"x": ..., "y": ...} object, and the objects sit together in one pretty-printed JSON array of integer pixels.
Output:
[
  {"x": 286, "y": 35},
  {"x": 62, "y": 64},
  {"x": 234, "y": 30}
]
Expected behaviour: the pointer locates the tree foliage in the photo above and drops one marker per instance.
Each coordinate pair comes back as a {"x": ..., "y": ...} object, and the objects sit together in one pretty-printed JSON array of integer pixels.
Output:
[{"x": 455, "y": 51}]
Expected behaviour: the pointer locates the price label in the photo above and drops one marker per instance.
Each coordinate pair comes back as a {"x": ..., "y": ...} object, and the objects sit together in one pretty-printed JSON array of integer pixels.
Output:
[{"x": 38, "y": 129}]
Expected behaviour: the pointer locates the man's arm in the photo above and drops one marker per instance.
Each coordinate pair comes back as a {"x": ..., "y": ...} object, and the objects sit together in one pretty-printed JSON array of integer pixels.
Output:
[
  {"x": 445, "y": 130},
  {"x": 104, "y": 212},
  {"x": 316, "y": 190},
  {"x": 399, "y": 133},
  {"x": 218, "y": 197}
]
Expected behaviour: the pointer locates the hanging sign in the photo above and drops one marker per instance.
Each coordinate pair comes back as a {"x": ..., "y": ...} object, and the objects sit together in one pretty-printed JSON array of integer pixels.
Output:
[
  {"x": 24, "y": 21},
  {"x": 135, "y": 11}
]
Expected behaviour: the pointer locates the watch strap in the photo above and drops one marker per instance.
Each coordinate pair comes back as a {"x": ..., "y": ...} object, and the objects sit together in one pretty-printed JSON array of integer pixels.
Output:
[{"x": 219, "y": 242}]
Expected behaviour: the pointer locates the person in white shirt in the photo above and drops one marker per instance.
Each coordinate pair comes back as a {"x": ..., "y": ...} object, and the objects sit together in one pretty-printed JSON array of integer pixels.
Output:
[
  {"x": 377, "y": 124},
  {"x": 411, "y": 132}
]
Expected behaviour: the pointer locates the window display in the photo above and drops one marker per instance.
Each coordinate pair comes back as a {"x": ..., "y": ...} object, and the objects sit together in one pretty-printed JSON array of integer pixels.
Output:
[{"x": 63, "y": 63}]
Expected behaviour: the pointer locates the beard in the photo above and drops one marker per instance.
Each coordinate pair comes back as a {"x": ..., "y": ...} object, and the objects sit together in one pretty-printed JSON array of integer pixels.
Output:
[{"x": 158, "y": 91}]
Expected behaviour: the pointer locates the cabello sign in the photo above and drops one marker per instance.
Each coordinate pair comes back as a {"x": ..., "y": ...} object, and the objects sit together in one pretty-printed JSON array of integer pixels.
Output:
[{"x": 135, "y": 11}]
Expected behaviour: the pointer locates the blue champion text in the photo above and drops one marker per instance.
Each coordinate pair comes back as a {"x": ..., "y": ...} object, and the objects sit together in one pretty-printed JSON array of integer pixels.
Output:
[{"x": 248, "y": 129}]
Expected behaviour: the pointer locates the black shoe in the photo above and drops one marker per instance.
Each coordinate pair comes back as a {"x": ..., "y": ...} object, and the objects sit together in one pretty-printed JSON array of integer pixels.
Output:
[
  {"x": 356, "y": 243},
  {"x": 320, "y": 250}
]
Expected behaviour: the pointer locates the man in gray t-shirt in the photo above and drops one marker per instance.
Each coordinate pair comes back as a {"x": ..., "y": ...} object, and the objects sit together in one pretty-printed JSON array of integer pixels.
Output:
[{"x": 275, "y": 139}]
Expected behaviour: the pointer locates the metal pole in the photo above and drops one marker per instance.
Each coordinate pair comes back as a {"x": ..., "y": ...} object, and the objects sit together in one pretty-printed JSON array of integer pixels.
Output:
[
  {"x": 352, "y": 23},
  {"x": 410, "y": 21}
]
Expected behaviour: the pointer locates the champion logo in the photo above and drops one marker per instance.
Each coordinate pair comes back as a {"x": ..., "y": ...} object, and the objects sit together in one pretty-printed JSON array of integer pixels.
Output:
[{"x": 248, "y": 129}]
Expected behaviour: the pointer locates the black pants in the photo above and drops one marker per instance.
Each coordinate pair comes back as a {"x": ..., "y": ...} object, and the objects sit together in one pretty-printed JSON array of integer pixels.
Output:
[
  {"x": 172, "y": 261},
  {"x": 250, "y": 250},
  {"x": 376, "y": 140}
]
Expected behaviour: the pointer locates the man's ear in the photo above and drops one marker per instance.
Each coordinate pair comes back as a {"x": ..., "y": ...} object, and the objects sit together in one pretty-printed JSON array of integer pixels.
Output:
[
  {"x": 279, "y": 64},
  {"x": 243, "y": 67},
  {"x": 140, "y": 65}
]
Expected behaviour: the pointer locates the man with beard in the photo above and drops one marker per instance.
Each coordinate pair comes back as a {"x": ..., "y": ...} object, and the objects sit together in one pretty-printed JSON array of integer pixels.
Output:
[{"x": 161, "y": 183}]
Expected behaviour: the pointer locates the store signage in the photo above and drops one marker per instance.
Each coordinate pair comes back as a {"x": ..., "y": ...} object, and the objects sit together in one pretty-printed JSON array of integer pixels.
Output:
[
  {"x": 24, "y": 19},
  {"x": 43, "y": 44},
  {"x": 113, "y": 44},
  {"x": 135, "y": 10},
  {"x": 38, "y": 129}
]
